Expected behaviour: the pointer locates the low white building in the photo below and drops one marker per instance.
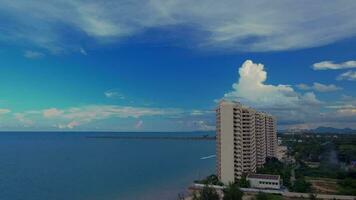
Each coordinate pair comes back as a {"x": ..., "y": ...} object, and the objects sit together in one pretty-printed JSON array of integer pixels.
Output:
[{"x": 264, "y": 181}]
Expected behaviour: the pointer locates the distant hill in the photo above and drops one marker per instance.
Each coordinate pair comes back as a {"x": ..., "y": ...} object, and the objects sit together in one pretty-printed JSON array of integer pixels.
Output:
[{"x": 323, "y": 129}]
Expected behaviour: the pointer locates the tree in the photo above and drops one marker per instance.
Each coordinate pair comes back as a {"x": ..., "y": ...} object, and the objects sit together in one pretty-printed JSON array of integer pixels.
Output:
[
  {"x": 300, "y": 185},
  {"x": 232, "y": 192},
  {"x": 207, "y": 193},
  {"x": 210, "y": 180},
  {"x": 243, "y": 182}
]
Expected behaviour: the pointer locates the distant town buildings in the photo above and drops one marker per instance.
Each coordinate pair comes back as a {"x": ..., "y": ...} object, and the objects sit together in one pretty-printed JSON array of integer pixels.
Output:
[
  {"x": 282, "y": 152},
  {"x": 245, "y": 138}
]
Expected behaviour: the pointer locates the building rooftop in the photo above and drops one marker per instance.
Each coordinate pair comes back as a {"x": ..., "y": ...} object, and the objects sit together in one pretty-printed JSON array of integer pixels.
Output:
[{"x": 264, "y": 176}]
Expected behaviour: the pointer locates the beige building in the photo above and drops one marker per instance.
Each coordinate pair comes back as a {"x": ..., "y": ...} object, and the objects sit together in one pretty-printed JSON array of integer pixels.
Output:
[
  {"x": 261, "y": 151},
  {"x": 242, "y": 142},
  {"x": 271, "y": 136}
]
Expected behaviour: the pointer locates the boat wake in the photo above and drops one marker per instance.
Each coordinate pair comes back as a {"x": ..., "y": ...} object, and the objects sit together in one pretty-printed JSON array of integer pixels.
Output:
[{"x": 207, "y": 157}]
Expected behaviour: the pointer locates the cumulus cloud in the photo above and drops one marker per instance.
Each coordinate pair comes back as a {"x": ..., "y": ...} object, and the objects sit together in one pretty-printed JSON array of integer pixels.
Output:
[
  {"x": 289, "y": 106},
  {"x": 33, "y": 54},
  {"x": 325, "y": 65},
  {"x": 319, "y": 87},
  {"x": 229, "y": 24},
  {"x": 349, "y": 75},
  {"x": 252, "y": 90},
  {"x": 293, "y": 109}
]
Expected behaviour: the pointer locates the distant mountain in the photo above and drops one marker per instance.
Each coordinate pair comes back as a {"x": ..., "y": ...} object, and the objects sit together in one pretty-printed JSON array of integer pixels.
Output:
[{"x": 323, "y": 129}]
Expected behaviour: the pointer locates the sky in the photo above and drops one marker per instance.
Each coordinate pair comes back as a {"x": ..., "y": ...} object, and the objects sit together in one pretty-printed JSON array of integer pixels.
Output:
[{"x": 163, "y": 65}]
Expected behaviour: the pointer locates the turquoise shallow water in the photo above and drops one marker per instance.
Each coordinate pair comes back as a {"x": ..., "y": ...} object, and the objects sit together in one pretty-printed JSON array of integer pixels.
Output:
[{"x": 70, "y": 166}]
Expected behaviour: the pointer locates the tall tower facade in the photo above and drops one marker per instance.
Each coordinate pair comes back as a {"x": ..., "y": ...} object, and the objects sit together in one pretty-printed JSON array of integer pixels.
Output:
[
  {"x": 261, "y": 147},
  {"x": 271, "y": 136},
  {"x": 242, "y": 143}
]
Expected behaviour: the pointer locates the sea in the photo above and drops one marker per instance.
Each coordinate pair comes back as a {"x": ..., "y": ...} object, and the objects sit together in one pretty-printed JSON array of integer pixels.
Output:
[{"x": 84, "y": 166}]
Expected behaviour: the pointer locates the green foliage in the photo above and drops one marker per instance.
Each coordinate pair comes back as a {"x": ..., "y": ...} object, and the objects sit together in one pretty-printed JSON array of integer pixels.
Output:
[
  {"x": 347, "y": 152},
  {"x": 210, "y": 180},
  {"x": 301, "y": 185},
  {"x": 333, "y": 152},
  {"x": 309, "y": 150},
  {"x": 274, "y": 166},
  {"x": 243, "y": 182},
  {"x": 232, "y": 192},
  {"x": 347, "y": 186},
  {"x": 207, "y": 193}
]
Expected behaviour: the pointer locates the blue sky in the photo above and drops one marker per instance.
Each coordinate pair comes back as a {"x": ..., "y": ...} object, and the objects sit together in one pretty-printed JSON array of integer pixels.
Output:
[{"x": 163, "y": 65}]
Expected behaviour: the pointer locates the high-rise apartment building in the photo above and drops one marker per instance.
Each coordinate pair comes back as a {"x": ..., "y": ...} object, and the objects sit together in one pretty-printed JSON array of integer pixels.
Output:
[
  {"x": 261, "y": 144},
  {"x": 271, "y": 136},
  {"x": 244, "y": 139}
]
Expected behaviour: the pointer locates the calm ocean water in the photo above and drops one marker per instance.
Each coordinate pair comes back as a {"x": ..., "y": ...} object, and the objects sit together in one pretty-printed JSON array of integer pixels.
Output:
[{"x": 70, "y": 166}]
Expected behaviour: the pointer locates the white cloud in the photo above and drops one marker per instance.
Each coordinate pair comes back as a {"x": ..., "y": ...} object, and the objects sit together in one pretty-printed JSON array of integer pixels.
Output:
[
  {"x": 303, "y": 86},
  {"x": 203, "y": 126},
  {"x": 349, "y": 75},
  {"x": 113, "y": 118},
  {"x": 252, "y": 90},
  {"x": 33, "y": 54},
  {"x": 319, "y": 87},
  {"x": 52, "y": 112},
  {"x": 293, "y": 109},
  {"x": 289, "y": 106},
  {"x": 325, "y": 65},
  {"x": 114, "y": 94},
  {"x": 21, "y": 117},
  {"x": 4, "y": 111},
  {"x": 201, "y": 112},
  {"x": 227, "y": 24},
  {"x": 77, "y": 116},
  {"x": 347, "y": 112}
]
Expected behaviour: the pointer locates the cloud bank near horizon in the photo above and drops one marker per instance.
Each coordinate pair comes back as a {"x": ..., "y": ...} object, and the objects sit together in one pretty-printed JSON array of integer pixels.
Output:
[{"x": 293, "y": 108}]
